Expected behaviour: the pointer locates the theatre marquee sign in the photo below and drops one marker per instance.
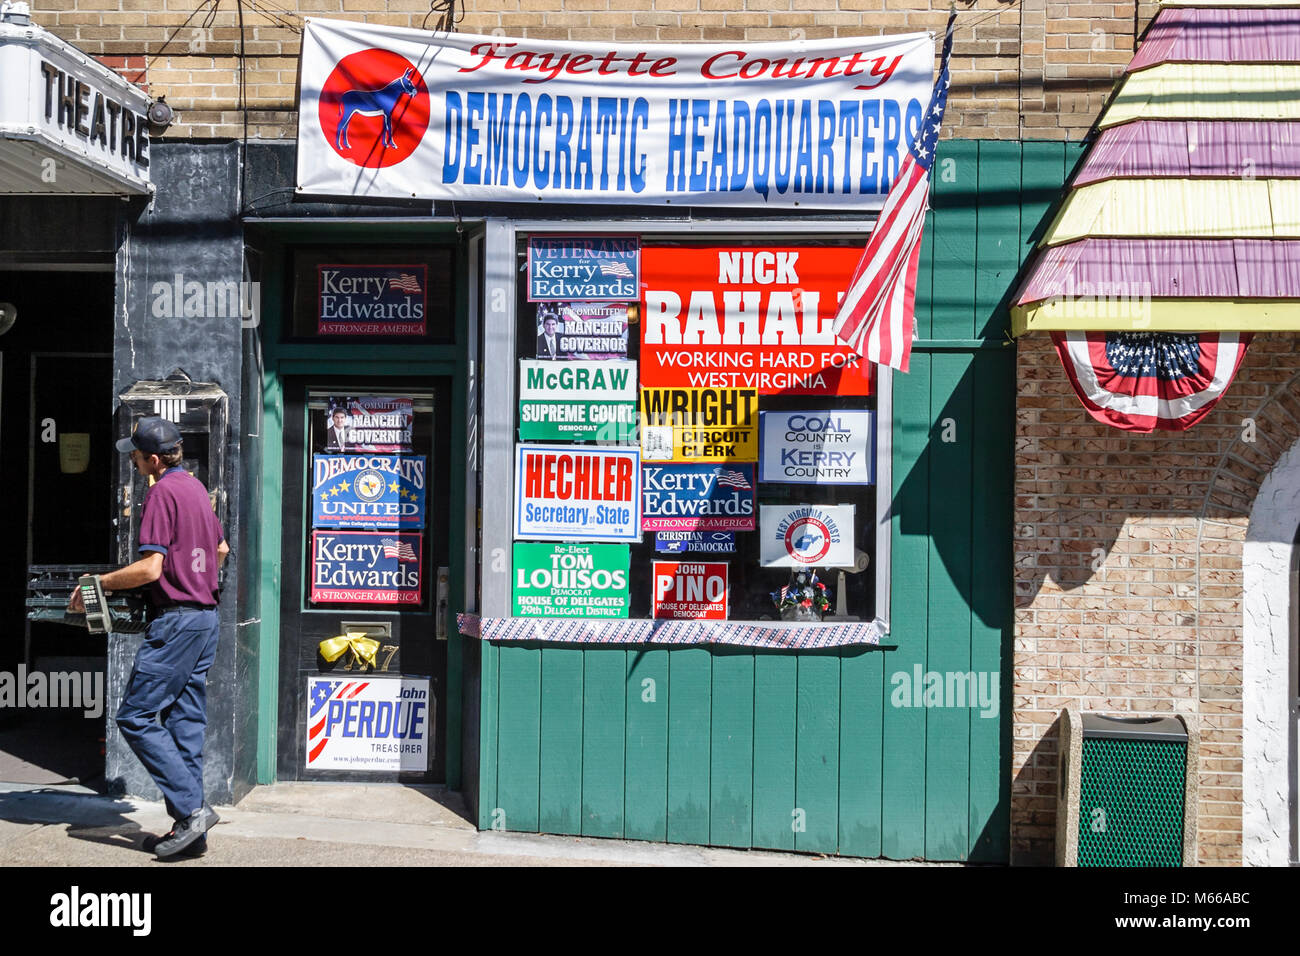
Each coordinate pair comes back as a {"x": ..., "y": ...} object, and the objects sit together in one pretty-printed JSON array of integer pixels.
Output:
[
  {"x": 393, "y": 112},
  {"x": 68, "y": 124}
]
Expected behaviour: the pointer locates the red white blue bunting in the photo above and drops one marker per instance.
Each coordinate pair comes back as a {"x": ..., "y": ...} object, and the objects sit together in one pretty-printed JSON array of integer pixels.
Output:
[
  {"x": 1142, "y": 381},
  {"x": 736, "y": 633}
]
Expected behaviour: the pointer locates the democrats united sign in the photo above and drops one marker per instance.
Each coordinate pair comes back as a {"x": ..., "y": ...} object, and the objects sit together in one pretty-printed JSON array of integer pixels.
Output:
[
  {"x": 595, "y": 268},
  {"x": 571, "y": 580},
  {"x": 577, "y": 400},
  {"x": 411, "y": 114},
  {"x": 567, "y": 493},
  {"x": 796, "y": 536},
  {"x": 699, "y": 424},
  {"x": 697, "y": 498},
  {"x": 371, "y": 300},
  {"x": 369, "y": 567},
  {"x": 760, "y": 318},
  {"x": 367, "y": 491},
  {"x": 828, "y": 447},
  {"x": 368, "y": 723}
]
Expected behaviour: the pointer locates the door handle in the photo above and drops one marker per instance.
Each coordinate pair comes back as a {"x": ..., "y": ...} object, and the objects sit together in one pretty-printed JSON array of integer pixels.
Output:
[{"x": 444, "y": 586}]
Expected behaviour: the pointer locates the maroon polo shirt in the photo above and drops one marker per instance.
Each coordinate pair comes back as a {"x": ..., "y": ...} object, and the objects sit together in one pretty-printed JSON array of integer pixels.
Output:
[{"x": 178, "y": 522}]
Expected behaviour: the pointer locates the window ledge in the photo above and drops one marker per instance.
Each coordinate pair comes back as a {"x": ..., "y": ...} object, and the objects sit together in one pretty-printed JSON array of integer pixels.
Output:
[{"x": 760, "y": 634}]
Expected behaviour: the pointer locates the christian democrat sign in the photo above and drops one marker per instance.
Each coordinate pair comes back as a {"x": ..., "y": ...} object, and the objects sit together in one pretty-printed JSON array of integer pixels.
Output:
[
  {"x": 577, "y": 400},
  {"x": 368, "y": 723},
  {"x": 394, "y": 112}
]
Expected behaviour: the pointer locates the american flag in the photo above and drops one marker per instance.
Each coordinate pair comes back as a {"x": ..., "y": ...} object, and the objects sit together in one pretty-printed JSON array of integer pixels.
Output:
[
  {"x": 396, "y": 548},
  {"x": 876, "y": 316},
  {"x": 619, "y": 269},
  {"x": 405, "y": 283},
  {"x": 733, "y": 479},
  {"x": 322, "y": 692}
]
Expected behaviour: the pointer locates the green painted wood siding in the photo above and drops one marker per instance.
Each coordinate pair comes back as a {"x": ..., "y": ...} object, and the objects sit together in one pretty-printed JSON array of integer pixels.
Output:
[{"x": 808, "y": 751}]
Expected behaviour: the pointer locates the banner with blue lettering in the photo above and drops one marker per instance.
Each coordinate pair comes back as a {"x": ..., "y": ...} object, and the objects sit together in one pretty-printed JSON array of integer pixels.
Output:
[
  {"x": 412, "y": 114},
  {"x": 367, "y": 491}
]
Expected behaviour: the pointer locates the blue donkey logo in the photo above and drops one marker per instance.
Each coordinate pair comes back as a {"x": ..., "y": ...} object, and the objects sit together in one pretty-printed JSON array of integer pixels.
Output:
[{"x": 379, "y": 102}]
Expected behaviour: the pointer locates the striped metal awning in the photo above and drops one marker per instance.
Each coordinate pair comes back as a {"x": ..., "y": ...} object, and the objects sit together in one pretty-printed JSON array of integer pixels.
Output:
[{"x": 1185, "y": 213}]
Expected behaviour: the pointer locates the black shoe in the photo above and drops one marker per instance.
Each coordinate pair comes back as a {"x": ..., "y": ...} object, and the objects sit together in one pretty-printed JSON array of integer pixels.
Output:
[
  {"x": 195, "y": 849},
  {"x": 186, "y": 832}
]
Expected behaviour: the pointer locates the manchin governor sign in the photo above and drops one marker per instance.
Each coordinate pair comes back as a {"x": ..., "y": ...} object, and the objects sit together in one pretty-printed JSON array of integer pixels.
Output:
[
  {"x": 68, "y": 124},
  {"x": 411, "y": 114}
]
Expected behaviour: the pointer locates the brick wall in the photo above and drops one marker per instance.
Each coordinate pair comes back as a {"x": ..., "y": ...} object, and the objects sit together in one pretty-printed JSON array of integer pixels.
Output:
[
  {"x": 1037, "y": 69},
  {"x": 1157, "y": 627}
]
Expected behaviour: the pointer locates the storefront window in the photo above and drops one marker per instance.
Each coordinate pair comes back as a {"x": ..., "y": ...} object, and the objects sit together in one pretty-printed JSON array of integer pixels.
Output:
[{"x": 752, "y": 430}]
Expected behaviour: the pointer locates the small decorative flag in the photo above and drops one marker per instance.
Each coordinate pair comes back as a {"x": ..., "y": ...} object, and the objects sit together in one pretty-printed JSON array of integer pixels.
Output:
[
  {"x": 1142, "y": 381},
  {"x": 877, "y": 314}
]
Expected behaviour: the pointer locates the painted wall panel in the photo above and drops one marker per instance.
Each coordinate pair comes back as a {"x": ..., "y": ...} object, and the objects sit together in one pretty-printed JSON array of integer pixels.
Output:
[{"x": 818, "y": 751}]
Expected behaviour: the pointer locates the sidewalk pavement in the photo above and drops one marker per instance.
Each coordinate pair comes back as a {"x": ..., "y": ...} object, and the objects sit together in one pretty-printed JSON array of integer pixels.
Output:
[{"x": 325, "y": 824}]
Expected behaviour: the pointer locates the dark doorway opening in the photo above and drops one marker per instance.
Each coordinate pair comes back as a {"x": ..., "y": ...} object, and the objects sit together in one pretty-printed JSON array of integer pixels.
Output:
[{"x": 56, "y": 469}]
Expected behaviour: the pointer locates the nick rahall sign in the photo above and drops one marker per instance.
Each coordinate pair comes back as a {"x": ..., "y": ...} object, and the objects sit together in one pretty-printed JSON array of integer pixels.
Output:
[
  {"x": 571, "y": 580},
  {"x": 825, "y": 447},
  {"x": 400, "y": 113},
  {"x": 569, "y": 493},
  {"x": 579, "y": 401},
  {"x": 796, "y": 536},
  {"x": 748, "y": 317},
  {"x": 68, "y": 124}
]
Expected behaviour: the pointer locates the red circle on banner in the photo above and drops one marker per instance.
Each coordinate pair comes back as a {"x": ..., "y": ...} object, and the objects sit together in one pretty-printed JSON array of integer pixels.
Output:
[
  {"x": 374, "y": 108},
  {"x": 795, "y": 533}
]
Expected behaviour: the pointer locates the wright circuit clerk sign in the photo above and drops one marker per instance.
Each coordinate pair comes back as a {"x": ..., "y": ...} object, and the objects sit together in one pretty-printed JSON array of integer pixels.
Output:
[{"x": 411, "y": 114}]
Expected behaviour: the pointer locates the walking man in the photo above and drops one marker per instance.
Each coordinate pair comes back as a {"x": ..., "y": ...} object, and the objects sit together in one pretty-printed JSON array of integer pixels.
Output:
[{"x": 164, "y": 711}]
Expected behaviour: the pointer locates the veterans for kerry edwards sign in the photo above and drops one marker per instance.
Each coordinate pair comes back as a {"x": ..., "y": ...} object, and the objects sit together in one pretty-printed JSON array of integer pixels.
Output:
[{"x": 394, "y": 112}]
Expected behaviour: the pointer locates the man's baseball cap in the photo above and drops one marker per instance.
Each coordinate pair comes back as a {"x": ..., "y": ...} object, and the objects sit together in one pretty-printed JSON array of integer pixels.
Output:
[{"x": 153, "y": 436}]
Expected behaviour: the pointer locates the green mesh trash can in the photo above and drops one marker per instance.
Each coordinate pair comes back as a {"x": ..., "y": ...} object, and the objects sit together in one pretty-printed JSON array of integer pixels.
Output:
[{"x": 1127, "y": 779}]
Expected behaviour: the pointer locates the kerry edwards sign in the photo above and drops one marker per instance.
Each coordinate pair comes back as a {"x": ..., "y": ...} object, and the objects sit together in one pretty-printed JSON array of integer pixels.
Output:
[
  {"x": 371, "y": 300},
  {"x": 594, "y": 268},
  {"x": 365, "y": 567},
  {"x": 368, "y": 723},
  {"x": 567, "y": 493},
  {"x": 697, "y": 498},
  {"x": 412, "y": 114}
]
